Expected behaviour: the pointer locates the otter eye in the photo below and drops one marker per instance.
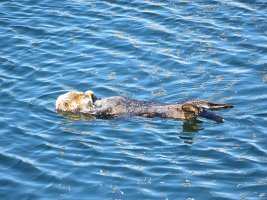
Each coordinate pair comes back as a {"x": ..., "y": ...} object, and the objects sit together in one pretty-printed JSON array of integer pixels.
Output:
[{"x": 66, "y": 104}]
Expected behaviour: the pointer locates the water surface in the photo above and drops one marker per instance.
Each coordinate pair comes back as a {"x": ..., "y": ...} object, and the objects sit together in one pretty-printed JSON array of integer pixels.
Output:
[{"x": 163, "y": 51}]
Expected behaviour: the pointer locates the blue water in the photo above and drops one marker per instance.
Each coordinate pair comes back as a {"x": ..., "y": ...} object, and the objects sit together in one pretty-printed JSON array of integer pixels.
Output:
[{"x": 163, "y": 51}]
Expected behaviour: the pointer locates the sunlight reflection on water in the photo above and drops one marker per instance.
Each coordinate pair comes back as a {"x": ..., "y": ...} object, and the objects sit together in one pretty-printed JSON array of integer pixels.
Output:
[{"x": 163, "y": 51}]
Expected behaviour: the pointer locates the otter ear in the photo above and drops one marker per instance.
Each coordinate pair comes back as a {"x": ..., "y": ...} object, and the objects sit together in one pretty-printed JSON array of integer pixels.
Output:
[{"x": 190, "y": 111}]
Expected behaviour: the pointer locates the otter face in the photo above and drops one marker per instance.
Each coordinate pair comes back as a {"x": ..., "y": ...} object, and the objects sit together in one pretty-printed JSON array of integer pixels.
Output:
[{"x": 75, "y": 102}]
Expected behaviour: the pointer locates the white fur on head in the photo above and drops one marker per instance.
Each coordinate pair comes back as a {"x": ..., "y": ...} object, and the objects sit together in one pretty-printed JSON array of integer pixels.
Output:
[
  {"x": 65, "y": 101},
  {"x": 75, "y": 102}
]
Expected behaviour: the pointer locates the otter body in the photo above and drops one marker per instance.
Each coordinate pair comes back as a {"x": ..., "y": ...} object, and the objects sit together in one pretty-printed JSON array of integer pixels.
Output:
[{"x": 87, "y": 104}]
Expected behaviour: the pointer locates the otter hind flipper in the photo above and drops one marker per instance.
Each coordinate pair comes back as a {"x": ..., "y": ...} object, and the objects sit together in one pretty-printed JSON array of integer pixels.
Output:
[
  {"x": 212, "y": 116},
  {"x": 218, "y": 106},
  {"x": 209, "y": 105}
]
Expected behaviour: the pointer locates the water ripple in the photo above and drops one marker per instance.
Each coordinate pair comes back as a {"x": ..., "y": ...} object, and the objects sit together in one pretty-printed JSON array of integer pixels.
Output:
[{"x": 164, "y": 51}]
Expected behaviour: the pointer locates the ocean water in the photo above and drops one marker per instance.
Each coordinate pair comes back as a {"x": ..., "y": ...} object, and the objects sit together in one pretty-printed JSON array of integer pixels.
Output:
[{"x": 163, "y": 51}]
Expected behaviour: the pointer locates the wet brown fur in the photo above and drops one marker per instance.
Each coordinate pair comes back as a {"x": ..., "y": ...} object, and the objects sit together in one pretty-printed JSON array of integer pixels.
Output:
[{"x": 86, "y": 103}]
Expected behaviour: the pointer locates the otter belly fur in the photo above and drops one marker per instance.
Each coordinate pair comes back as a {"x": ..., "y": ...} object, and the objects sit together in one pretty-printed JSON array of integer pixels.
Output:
[{"x": 87, "y": 104}]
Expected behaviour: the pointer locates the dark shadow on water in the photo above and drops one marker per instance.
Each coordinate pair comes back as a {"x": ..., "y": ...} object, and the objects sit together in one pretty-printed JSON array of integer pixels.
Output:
[
  {"x": 193, "y": 125},
  {"x": 187, "y": 139},
  {"x": 189, "y": 126},
  {"x": 76, "y": 117}
]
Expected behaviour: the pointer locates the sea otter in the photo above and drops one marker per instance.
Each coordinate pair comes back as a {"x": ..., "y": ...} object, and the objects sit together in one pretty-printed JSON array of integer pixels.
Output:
[{"x": 88, "y": 104}]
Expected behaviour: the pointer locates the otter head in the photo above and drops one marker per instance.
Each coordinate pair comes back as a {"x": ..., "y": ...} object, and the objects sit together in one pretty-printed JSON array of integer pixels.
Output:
[
  {"x": 76, "y": 102},
  {"x": 190, "y": 111}
]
